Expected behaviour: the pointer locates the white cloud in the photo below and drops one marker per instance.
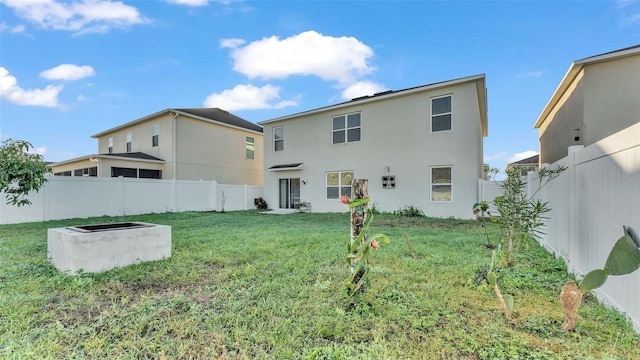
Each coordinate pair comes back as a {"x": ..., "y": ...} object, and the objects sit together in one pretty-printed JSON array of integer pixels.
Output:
[
  {"x": 10, "y": 91},
  {"x": 531, "y": 74},
  {"x": 68, "y": 72},
  {"x": 231, "y": 43},
  {"x": 82, "y": 16},
  {"x": 362, "y": 88},
  {"x": 12, "y": 29},
  {"x": 40, "y": 150},
  {"x": 341, "y": 59},
  {"x": 521, "y": 156},
  {"x": 193, "y": 3},
  {"x": 629, "y": 12},
  {"x": 248, "y": 97},
  {"x": 495, "y": 157}
]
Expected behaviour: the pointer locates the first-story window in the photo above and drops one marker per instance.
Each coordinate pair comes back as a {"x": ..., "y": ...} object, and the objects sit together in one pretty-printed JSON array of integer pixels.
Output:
[
  {"x": 249, "y": 147},
  {"x": 92, "y": 171},
  {"x": 339, "y": 183},
  {"x": 441, "y": 183}
]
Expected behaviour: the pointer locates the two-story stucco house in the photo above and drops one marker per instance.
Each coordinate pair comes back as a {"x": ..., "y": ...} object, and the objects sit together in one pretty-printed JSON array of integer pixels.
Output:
[
  {"x": 420, "y": 146},
  {"x": 598, "y": 96},
  {"x": 185, "y": 144}
]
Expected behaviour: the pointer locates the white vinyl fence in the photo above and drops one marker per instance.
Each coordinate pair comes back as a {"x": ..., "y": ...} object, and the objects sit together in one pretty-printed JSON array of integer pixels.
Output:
[
  {"x": 82, "y": 197},
  {"x": 590, "y": 202}
]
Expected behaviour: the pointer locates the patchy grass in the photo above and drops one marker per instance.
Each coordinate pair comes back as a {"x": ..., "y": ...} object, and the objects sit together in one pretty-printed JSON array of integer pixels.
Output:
[{"x": 242, "y": 285}]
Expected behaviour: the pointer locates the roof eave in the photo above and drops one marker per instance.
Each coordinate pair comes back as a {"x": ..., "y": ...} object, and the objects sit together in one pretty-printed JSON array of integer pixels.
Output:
[
  {"x": 215, "y": 121},
  {"x": 131, "y": 123},
  {"x": 176, "y": 111},
  {"x": 566, "y": 81},
  {"x": 103, "y": 156},
  {"x": 573, "y": 71},
  {"x": 399, "y": 93}
]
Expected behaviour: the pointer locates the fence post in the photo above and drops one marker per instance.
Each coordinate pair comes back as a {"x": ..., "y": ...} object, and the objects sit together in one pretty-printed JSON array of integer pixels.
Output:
[
  {"x": 120, "y": 195},
  {"x": 214, "y": 195},
  {"x": 572, "y": 205},
  {"x": 246, "y": 197}
]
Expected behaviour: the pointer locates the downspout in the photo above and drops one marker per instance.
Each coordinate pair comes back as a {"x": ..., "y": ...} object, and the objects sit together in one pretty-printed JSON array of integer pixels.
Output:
[{"x": 174, "y": 154}]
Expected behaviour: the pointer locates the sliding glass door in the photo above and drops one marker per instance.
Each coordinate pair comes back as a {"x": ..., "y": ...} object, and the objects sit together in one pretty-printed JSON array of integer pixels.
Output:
[{"x": 289, "y": 190}]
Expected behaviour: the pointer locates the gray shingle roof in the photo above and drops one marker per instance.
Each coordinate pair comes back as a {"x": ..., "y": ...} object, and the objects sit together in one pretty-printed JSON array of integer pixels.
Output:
[
  {"x": 135, "y": 155},
  {"x": 222, "y": 116},
  {"x": 530, "y": 160}
]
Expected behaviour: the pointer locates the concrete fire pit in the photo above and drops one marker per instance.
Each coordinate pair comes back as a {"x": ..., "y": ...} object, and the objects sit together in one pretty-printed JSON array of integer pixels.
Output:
[{"x": 101, "y": 247}]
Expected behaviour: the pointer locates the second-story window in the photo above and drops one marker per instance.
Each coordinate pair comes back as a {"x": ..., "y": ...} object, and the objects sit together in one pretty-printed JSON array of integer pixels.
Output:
[
  {"x": 346, "y": 128},
  {"x": 250, "y": 147},
  {"x": 278, "y": 138},
  {"x": 110, "y": 150},
  {"x": 129, "y": 140},
  {"x": 441, "y": 113},
  {"x": 155, "y": 135}
]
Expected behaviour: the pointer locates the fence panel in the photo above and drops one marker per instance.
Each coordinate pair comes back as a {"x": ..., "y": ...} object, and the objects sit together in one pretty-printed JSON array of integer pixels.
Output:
[{"x": 81, "y": 197}]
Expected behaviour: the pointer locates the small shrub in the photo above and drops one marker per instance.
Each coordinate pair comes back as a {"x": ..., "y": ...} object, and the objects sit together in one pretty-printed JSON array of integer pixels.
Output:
[
  {"x": 260, "y": 203},
  {"x": 409, "y": 211}
]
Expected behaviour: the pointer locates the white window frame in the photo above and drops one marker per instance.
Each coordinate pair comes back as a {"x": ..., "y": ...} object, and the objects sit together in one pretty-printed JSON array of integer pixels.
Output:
[
  {"x": 129, "y": 141},
  {"x": 432, "y": 115},
  {"x": 341, "y": 187},
  {"x": 155, "y": 135},
  {"x": 250, "y": 147},
  {"x": 110, "y": 147},
  {"x": 433, "y": 183},
  {"x": 346, "y": 128},
  {"x": 275, "y": 141}
]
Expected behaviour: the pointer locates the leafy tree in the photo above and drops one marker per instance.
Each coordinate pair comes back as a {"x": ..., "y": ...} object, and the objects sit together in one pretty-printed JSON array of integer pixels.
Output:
[{"x": 20, "y": 171}]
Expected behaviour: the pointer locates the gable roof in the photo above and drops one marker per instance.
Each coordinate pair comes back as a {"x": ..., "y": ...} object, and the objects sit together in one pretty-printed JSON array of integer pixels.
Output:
[
  {"x": 214, "y": 115},
  {"x": 575, "y": 69},
  {"x": 481, "y": 91},
  {"x": 528, "y": 161}
]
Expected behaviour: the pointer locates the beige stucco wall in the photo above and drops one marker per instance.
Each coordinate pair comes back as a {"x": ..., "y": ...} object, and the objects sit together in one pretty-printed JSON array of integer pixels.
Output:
[
  {"x": 558, "y": 132},
  {"x": 217, "y": 152},
  {"x": 104, "y": 165},
  {"x": 603, "y": 99},
  {"x": 394, "y": 133},
  {"x": 205, "y": 150},
  {"x": 611, "y": 97},
  {"x": 80, "y": 164}
]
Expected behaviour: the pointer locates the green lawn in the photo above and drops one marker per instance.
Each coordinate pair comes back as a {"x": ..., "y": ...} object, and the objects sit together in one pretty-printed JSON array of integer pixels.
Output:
[{"x": 243, "y": 285}]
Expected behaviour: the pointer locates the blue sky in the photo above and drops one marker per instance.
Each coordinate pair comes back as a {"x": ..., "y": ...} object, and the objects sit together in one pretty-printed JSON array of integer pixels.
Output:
[{"x": 70, "y": 69}]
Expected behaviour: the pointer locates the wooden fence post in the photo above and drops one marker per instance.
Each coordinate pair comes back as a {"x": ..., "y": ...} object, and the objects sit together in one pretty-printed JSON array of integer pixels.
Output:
[{"x": 359, "y": 190}]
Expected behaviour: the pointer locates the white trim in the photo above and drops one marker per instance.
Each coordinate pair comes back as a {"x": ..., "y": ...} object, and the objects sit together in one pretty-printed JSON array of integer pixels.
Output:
[
  {"x": 431, "y": 114},
  {"x": 340, "y": 184},
  {"x": 431, "y": 183},
  {"x": 393, "y": 94},
  {"x": 346, "y": 128},
  {"x": 273, "y": 138}
]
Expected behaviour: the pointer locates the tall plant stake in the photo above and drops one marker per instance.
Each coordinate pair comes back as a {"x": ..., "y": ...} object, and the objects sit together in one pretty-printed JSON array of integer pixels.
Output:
[
  {"x": 360, "y": 246},
  {"x": 359, "y": 192}
]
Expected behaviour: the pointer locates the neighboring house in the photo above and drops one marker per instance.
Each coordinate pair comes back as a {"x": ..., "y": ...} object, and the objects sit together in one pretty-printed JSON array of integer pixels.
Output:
[
  {"x": 185, "y": 144},
  {"x": 418, "y": 147},
  {"x": 597, "y": 97},
  {"x": 526, "y": 165}
]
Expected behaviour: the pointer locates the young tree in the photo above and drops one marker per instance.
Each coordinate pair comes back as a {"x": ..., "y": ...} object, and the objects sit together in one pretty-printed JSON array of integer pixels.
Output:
[
  {"x": 521, "y": 214},
  {"x": 20, "y": 171}
]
